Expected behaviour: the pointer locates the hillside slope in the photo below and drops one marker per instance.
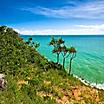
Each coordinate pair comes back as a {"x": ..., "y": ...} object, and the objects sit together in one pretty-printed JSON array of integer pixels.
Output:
[{"x": 31, "y": 79}]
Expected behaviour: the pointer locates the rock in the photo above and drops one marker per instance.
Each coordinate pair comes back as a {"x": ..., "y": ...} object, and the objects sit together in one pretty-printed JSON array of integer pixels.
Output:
[{"x": 2, "y": 81}]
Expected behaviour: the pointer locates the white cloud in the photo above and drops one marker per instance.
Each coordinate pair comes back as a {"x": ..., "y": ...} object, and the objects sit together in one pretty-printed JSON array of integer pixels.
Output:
[
  {"x": 89, "y": 10},
  {"x": 74, "y": 30},
  {"x": 25, "y": 31}
]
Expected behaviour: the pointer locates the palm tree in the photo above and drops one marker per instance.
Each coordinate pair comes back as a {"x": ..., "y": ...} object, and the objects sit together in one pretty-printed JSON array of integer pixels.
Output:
[
  {"x": 56, "y": 43},
  {"x": 60, "y": 41},
  {"x": 53, "y": 41},
  {"x": 57, "y": 51},
  {"x": 65, "y": 54},
  {"x": 72, "y": 52}
]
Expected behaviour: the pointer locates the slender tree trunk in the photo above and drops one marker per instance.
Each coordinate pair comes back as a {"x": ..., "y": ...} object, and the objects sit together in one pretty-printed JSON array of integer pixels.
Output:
[
  {"x": 70, "y": 66},
  {"x": 57, "y": 58},
  {"x": 63, "y": 62}
]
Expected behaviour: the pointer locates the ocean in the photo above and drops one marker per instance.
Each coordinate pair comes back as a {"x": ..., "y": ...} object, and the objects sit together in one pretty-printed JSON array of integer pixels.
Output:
[{"x": 89, "y": 61}]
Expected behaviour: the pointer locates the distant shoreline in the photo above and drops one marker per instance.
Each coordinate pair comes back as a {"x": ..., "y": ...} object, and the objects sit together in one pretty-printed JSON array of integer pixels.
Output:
[{"x": 67, "y": 35}]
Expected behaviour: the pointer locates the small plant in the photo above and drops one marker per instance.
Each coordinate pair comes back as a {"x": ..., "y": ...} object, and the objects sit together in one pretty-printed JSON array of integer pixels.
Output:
[{"x": 33, "y": 44}]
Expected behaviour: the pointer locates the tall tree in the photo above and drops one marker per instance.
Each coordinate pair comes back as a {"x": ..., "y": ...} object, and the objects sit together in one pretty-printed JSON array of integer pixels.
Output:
[
  {"x": 56, "y": 43},
  {"x": 57, "y": 51},
  {"x": 72, "y": 52},
  {"x": 65, "y": 54}
]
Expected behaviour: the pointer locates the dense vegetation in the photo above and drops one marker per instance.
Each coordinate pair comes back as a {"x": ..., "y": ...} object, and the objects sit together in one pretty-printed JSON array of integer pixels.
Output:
[{"x": 31, "y": 79}]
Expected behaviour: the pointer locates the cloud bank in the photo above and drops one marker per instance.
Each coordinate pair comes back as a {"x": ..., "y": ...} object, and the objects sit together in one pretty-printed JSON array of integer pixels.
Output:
[{"x": 75, "y": 30}]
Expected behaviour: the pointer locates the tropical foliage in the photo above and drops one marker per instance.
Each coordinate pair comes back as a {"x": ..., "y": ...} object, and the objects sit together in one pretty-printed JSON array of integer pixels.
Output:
[
  {"x": 60, "y": 48},
  {"x": 56, "y": 43},
  {"x": 31, "y": 79},
  {"x": 33, "y": 44}
]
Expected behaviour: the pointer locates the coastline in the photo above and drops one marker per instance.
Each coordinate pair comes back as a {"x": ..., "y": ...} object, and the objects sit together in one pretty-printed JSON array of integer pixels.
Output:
[
  {"x": 90, "y": 55},
  {"x": 93, "y": 85}
]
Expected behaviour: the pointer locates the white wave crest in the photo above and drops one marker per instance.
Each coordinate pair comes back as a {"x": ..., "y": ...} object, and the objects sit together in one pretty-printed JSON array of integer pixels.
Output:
[{"x": 98, "y": 86}]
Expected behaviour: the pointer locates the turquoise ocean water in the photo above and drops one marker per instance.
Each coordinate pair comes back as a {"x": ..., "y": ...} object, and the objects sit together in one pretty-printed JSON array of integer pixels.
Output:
[{"x": 89, "y": 63}]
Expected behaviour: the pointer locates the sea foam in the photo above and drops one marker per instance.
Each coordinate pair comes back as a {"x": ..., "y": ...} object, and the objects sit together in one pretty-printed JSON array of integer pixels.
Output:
[{"x": 98, "y": 86}]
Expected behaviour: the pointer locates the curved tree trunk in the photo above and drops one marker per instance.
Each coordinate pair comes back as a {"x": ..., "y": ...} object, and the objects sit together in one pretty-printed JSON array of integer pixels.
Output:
[
  {"x": 57, "y": 58},
  {"x": 70, "y": 66},
  {"x": 63, "y": 62},
  {"x": 72, "y": 57}
]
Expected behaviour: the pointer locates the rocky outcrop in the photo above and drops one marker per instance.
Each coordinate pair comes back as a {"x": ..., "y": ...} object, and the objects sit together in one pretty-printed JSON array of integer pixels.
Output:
[{"x": 2, "y": 81}]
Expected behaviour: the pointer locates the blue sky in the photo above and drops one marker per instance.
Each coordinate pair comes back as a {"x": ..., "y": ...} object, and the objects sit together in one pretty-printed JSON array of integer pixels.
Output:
[{"x": 46, "y": 17}]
